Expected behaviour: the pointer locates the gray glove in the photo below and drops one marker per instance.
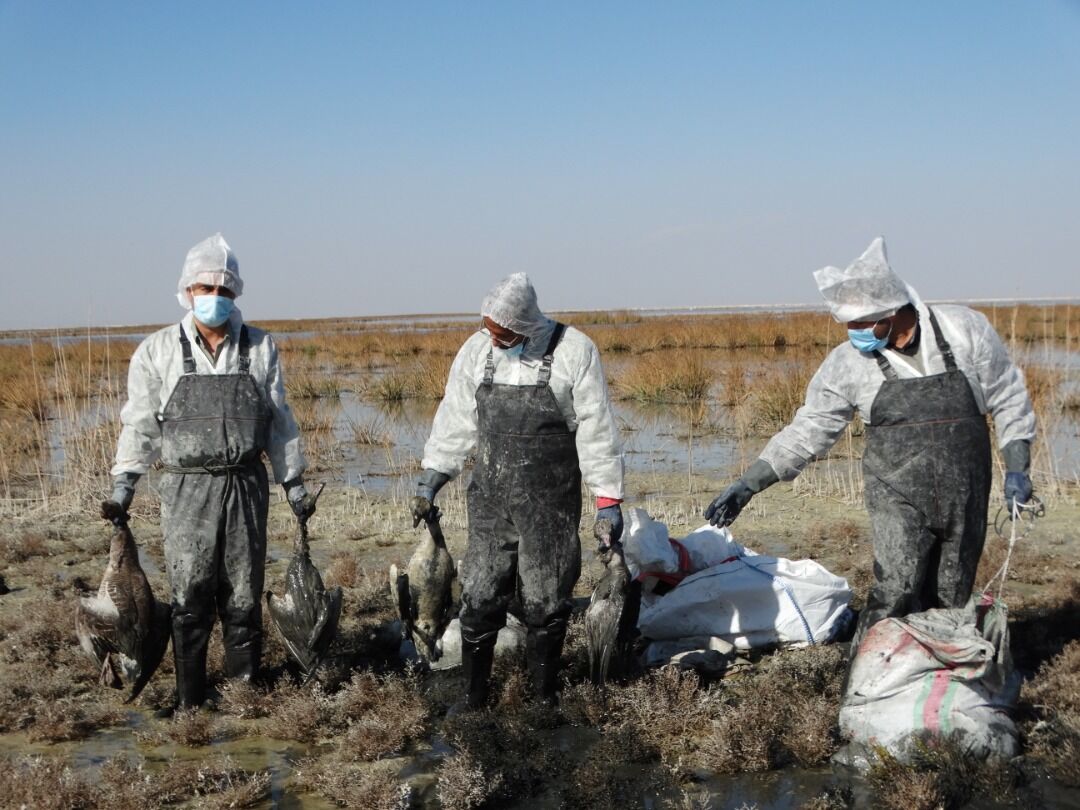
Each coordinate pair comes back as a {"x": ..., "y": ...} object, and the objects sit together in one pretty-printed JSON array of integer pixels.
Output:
[
  {"x": 116, "y": 508},
  {"x": 423, "y": 503},
  {"x": 727, "y": 505},
  {"x": 1018, "y": 490},
  {"x": 301, "y": 501}
]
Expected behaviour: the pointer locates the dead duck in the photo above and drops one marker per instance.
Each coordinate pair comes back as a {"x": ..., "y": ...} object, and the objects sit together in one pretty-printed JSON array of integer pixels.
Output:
[
  {"x": 605, "y": 612},
  {"x": 307, "y": 615},
  {"x": 122, "y": 626},
  {"x": 423, "y": 594}
]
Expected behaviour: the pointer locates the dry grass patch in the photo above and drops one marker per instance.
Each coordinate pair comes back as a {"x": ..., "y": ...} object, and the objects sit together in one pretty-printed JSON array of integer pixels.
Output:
[
  {"x": 1053, "y": 695},
  {"x": 785, "y": 712},
  {"x": 618, "y": 772},
  {"x": 26, "y": 546},
  {"x": 245, "y": 700},
  {"x": 193, "y": 728},
  {"x": 371, "y": 786},
  {"x": 299, "y": 713},
  {"x": 344, "y": 571},
  {"x": 776, "y": 393},
  {"x": 497, "y": 753},
  {"x": 71, "y": 719},
  {"x": 52, "y": 783},
  {"x": 679, "y": 377},
  {"x": 940, "y": 775},
  {"x": 380, "y": 715}
]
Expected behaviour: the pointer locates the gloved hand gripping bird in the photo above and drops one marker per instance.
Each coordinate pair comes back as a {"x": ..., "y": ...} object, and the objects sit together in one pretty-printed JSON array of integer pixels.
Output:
[
  {"x": 423, "y": 592},
  {"x": 307, "y": 615},
  {"x": 123, "y": 626},
  {"x": 605, "y": 611}
]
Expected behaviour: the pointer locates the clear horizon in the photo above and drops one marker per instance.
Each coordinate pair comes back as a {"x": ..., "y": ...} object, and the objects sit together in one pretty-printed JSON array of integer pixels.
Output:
[{"x": 626, "y": 155}]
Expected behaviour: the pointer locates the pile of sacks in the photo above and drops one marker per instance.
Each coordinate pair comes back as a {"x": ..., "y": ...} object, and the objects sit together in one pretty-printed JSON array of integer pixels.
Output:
[{"x": 708, "y": 585}]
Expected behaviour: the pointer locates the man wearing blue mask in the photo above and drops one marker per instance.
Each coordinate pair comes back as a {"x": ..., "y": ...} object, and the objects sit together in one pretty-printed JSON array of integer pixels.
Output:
[
  {"x": 206, "y": 397},
  {"x": 922, "y": 379},
  {"x": 529, "y": 395}
]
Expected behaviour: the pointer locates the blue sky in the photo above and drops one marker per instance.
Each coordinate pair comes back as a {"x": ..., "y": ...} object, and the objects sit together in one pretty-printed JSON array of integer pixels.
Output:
[{"x": 375, "y": 158}]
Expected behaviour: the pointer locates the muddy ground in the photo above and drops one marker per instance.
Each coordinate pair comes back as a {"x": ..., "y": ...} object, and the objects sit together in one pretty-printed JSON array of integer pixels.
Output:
[{"x": 373, "y": 733}]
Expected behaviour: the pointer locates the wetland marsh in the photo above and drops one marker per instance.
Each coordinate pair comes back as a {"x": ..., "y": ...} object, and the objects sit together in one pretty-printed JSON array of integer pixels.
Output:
[{"x": 697, "y": 397}]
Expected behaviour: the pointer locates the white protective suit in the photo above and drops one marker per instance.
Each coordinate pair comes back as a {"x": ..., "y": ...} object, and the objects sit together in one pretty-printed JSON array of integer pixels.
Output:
[
  {"x": 577, "y": 381},
  {"x": 848, "y": 381},
  {"x": 157, "y": 365}
]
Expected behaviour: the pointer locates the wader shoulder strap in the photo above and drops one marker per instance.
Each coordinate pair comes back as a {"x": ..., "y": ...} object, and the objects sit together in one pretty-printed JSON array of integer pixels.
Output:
[
  {"x": 942, "y": 343},
  {"x": 544, "y": 376},
  {"x": 489, "y": 368},
  {"x": 185, "y": 349},
  {"x": 245, "y": 350},
  {"x": 885, "y": 366}
]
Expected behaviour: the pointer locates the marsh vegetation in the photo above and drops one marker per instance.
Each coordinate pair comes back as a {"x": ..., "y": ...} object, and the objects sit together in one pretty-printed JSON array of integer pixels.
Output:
[{"x": 697, "y": 397}]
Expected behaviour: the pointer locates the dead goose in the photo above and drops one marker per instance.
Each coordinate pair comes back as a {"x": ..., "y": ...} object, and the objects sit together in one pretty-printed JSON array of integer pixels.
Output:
[
  {"x": 605, "y": 611},
  {"x": 122, "y": 626},
  {"x": 307, "y": 615},
  {"x": 423, "y": 594}
]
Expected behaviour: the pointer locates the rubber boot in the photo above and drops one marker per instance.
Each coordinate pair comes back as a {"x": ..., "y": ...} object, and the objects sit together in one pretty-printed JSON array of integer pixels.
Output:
[
  {"x": 543, "y": 649},
  {"x": 243, "y": 650},
  {"x": 189, "y": 656},
  {"x": 477, "y": 656}
]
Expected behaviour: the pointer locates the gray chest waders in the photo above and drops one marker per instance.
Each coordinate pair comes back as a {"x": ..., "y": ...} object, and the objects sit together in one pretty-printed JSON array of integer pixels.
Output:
[
  {"x": 926, "y": 470},
  {"x": 214, "y": 500},
  {"x": 524, "y": 503}
]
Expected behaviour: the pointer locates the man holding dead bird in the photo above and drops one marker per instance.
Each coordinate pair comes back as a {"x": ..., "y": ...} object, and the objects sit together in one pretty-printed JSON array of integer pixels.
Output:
[
  {"x": 529, "y": 395},
  {"x": 207, "y": 398},
  {"x": 923, "y": 379}
]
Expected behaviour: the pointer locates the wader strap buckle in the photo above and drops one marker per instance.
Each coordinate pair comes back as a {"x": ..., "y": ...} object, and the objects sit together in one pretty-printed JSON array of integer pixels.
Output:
[
  {"x": 185, "y": 349},
  {"x": 544, "y": 376},
  {"x": 489, "y": 369}
]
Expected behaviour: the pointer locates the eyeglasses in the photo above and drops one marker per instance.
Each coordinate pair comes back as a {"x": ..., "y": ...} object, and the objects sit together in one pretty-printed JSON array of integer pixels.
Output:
[{"x": 506, "y": 344}]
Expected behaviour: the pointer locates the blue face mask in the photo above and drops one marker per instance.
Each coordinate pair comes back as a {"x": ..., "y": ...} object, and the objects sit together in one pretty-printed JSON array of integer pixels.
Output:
[
  {"x": 513, "y": 351},
  {"x": 865, "y": 341},
  {"x": 212, "y": 310}
]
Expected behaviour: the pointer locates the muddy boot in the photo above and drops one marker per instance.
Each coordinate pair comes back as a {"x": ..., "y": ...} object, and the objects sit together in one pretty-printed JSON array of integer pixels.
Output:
[
  {"x": 189, "y": 656},
  {"x": 477, "y": 656},
  {"x": 242, "y": 636},
  {"x": 543, "y": 649},
  {"x": 243, "y": 663}
]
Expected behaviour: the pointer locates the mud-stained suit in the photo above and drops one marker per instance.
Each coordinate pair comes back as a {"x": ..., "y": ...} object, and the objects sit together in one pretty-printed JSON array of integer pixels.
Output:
[
  {"x": 539, "y": 424},
  {"x": 209, "y": 420},
  {"x": 927, "y": 461}
]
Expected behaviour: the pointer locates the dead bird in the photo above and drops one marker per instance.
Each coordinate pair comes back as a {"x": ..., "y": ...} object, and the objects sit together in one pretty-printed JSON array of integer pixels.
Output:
[
  {"x": 423, "y": 593},
  {"x": 123, "y": 626},
  {"x": 605, "y": 611},
  {"x": 307, "y": 615}
]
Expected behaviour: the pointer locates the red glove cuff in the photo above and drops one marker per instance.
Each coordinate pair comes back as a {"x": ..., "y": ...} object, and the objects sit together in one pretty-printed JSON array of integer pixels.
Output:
[{"x": 603, "y": 503}]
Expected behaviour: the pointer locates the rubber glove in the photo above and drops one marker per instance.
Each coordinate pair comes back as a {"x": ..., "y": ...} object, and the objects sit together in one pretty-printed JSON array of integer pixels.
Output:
[
  {"x": 1018, "y": 489},
  {"x": 423, "y": 503},
  {"x": 727, "y": 505},
  {"x": 116, "y": 508}
]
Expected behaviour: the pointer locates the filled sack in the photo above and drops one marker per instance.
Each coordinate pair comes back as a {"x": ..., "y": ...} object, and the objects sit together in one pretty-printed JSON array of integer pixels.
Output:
[
  {"x": 945, "y": 673},
  {"x": 718, "y": 587}
]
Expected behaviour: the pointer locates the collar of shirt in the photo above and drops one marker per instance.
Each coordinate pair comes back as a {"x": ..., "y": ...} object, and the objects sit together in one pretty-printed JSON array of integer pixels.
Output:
[{"x": 232, "y": 334}]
